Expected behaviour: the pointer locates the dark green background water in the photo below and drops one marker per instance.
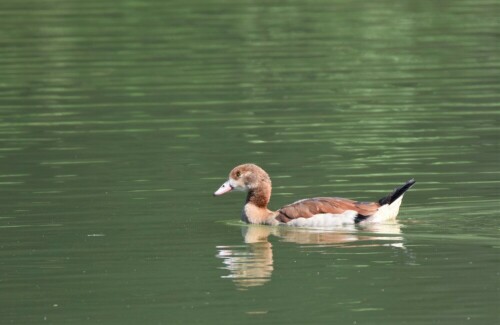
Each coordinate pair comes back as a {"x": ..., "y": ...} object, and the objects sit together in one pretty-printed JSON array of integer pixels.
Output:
[{"x": 118, "y": 119}]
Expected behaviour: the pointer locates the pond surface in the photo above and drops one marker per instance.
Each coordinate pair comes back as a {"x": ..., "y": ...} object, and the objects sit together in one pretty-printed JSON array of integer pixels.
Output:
[{"x": 118, "y": 120}]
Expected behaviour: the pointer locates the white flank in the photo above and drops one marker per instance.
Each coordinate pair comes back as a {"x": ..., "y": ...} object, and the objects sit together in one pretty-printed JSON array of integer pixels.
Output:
[
  {"x": 326, "y": 220},
  {"x": 386, "y": 212}
]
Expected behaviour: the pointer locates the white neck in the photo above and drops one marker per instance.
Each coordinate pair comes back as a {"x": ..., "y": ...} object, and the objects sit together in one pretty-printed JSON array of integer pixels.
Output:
[{"x": 257, "y": 215}]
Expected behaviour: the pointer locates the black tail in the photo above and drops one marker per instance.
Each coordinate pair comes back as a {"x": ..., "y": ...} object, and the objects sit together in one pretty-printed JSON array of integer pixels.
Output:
[{"x": 396, "y": 193}]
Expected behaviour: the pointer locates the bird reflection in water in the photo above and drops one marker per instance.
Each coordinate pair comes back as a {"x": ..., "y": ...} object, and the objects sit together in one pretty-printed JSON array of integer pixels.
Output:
[{"x": 251, "y": 264}]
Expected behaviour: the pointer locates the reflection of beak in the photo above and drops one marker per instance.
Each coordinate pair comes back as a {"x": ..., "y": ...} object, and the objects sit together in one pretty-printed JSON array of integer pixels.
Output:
[{"x": 226, "y": 187}]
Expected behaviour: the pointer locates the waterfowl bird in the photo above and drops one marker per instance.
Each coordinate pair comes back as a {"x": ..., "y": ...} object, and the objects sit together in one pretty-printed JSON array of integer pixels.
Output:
[{"x": 314, "y": 212}]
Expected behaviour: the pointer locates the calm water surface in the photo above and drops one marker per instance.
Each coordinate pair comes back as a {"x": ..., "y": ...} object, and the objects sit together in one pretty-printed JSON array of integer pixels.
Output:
[{"x": 118, "y": 119}]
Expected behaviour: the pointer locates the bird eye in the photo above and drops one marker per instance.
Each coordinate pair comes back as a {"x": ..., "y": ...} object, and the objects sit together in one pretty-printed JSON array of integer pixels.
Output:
[{"x": 238, "y": 174}]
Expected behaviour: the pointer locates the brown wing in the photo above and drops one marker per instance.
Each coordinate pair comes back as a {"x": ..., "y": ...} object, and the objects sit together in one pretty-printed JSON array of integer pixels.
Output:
[{"x": 309, "y": 207}]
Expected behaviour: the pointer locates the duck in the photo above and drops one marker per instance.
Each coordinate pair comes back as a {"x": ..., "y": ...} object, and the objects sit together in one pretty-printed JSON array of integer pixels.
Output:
[{"x": 311, "y": 212}]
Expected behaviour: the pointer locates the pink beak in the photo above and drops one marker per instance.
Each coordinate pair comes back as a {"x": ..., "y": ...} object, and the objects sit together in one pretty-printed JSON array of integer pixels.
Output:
[{"x": 226, "y": 187}]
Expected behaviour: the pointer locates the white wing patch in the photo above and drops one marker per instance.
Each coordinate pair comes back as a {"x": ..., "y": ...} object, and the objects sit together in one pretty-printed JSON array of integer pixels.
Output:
[{"x": 326, "y": 220}]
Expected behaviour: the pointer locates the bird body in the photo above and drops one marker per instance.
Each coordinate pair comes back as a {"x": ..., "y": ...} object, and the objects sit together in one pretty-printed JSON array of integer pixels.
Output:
[{"x": 313, "y": 212}]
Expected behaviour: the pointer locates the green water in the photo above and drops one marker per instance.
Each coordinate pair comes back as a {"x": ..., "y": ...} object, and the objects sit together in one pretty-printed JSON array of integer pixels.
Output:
[{"x": 118, "y": 119}]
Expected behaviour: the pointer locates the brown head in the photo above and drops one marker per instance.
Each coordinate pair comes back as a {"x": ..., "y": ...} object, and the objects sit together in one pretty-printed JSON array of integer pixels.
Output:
[{"x": 248, "y": 178}]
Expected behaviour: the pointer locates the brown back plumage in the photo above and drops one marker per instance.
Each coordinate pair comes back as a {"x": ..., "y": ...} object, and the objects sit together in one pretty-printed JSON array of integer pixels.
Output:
[{"x": 309, "y": 207}]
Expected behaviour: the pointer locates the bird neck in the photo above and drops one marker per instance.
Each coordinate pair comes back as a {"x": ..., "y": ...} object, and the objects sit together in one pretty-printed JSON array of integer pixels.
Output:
[
  {"x": 260, "y": 196},
  {"x": 255, "y": 210}
]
